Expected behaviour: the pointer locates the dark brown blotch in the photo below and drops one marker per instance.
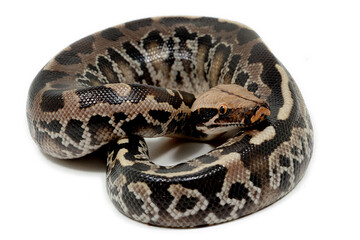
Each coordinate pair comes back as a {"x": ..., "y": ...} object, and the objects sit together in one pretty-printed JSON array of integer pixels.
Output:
[
  {"x": 53, "y": 126},
  {"x": 246, "y": 35},
  {"x": 160, "y": 115},
  {"x": 112, "y": 34},
  {"x": 74, "y": 130},
  {"x": 41, "y": 79},
  {"x": 70, "y": 57},
  {"x": 107, "y": 70},
  {"x": 135, "y": 25},
  {"x": 52, "y": 101}
]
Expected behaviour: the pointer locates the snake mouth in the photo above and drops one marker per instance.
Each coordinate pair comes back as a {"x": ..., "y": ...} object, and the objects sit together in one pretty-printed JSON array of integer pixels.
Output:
[
  {"x": 230, "y": 126},
  {"x": 217, "y": 129},
  {"x": 226, "y": 125}
]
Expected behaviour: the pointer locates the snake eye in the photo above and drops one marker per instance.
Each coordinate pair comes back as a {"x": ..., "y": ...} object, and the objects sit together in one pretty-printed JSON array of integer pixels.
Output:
[{"x": 222, "y": 109}]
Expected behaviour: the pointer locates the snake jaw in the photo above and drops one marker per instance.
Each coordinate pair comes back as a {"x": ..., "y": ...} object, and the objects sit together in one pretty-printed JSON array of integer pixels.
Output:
[{"x": 214, "y": 130}]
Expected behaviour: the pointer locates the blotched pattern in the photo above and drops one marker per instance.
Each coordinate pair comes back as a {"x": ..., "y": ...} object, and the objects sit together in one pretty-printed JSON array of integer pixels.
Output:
[{"x": 140, "y": 79}]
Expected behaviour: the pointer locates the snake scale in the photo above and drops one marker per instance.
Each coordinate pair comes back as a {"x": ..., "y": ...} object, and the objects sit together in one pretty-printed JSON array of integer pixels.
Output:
[{"x": 193, "y": 77}]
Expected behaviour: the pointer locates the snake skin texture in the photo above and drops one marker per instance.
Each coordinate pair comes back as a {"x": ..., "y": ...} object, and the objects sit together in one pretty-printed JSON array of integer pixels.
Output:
[{"x": 140, "y": 79}]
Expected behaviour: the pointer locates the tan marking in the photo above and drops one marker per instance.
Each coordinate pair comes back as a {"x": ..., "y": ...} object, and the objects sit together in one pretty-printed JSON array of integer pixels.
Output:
[
  {"x": 52, "y": 62},
  {"x": 255, "y": 70},
  {"x": 200, "y": 69},
  {"x": 177, "y": 191},
  {"x": 267, "y": 134},
  {"x": 121, "y": 89},
  {"x": 126, "y": 70},
  {"x": 120, "y": 156},
  {"x": 237, "y": 173},
  {"x": 218, "y": 61},
  {"x": 110, "y": 163},
  {"x": 170, "y": 92},
  {"x": 211, "y": 219},
  {"x": 285, "y": 110},
  {"x": 196, "y": 163},
  {"x": 142, "y": 191},
  {"x": 299, "y": 138},
  {"x": 120, "y": 181},
  {"x": 122, "y": 141},
  {"x": 118, "y": 184},
  {"x": 260, "y": 114}
]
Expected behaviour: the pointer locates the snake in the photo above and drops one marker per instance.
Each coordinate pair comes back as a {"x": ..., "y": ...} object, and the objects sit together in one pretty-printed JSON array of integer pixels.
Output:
[{"x": 193, "y": 77}]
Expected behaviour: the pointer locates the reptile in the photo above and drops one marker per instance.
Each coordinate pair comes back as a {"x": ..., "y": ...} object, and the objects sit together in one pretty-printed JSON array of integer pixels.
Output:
[{"x": 191, "y": 77}]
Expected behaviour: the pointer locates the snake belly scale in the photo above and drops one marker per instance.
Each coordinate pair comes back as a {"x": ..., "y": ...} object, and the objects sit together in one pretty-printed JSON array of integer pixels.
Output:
[{"x": 140, "y": 79}]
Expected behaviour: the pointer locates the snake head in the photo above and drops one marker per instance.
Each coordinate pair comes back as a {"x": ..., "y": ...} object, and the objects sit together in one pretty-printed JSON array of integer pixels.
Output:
[{"x": 226, "y": 107}]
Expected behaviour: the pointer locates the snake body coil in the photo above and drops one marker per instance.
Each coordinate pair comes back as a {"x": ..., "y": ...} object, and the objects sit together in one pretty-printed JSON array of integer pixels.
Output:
[{"x": 140, "y": 79}]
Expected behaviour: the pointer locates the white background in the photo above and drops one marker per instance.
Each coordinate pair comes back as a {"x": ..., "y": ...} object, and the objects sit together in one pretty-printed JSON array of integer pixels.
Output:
[{"x": 318, "y": 42}]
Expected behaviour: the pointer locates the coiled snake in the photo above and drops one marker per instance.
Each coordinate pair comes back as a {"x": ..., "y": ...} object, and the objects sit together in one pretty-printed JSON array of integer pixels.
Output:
[{"x": 141, "y": 79}]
